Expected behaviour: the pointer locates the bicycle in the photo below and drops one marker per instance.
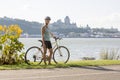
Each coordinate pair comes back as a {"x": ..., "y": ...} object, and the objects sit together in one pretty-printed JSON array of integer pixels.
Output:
[{"x": 34, "y": 55}]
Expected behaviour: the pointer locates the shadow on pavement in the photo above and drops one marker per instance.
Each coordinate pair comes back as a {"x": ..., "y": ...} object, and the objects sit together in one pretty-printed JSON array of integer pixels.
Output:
[{"x": 99, "y": 68}]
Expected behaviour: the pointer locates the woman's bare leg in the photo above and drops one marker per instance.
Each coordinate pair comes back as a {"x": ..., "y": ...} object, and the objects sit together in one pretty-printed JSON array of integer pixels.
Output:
[
  {"x": 44, "y": 55},
  {"x": 50, "y": 56}
]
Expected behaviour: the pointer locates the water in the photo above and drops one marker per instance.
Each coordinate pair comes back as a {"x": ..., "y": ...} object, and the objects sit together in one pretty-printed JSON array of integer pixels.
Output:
[{"x": 80, "y": 47}]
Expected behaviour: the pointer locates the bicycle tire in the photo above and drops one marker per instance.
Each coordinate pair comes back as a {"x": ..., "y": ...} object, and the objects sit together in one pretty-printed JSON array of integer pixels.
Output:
[
  {"x": 55, "y": 53},
  {"x": 33, "y": 59}
]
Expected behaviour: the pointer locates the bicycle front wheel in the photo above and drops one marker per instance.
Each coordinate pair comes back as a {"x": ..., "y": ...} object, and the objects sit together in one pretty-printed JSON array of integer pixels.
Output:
[
  {"x": 61, "y": 55},
  {"x": 33, "y": 56}
]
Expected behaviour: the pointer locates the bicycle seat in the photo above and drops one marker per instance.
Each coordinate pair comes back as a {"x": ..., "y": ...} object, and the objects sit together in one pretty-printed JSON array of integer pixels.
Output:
[
  {"x": 57, "y": 38},
  {"x": 41, "y": 42}
]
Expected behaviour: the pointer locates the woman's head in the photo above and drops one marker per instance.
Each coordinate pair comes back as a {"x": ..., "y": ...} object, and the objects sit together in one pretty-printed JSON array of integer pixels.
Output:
[{"x": 47, "y": 20}]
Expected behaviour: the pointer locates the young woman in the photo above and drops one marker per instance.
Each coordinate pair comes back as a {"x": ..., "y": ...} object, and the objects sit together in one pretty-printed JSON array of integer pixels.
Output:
[{"x": 46, "y": 40}]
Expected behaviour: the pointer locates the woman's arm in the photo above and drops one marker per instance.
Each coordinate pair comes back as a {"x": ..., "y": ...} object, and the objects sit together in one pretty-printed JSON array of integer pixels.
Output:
[
  {"x": 52, "y": 34},
  {"x": 42, "y": 32}
]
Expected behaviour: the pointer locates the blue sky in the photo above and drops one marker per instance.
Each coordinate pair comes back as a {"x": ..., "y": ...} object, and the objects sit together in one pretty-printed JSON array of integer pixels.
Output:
[{"x": 96, "y": 13}]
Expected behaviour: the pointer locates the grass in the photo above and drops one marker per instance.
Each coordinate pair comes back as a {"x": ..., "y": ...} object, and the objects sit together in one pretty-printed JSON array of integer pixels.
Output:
[
  {"x": 110, "y": 54},
  {"x": 69, "y": 64}
]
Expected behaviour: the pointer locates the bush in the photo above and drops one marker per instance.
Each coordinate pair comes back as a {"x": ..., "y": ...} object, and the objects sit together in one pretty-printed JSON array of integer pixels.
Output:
[
  {"x": 112, "y": 54},
  {"x": 10, "y": 46}
]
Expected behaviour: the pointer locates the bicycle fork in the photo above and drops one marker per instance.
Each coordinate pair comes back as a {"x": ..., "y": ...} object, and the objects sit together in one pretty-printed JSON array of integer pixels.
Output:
[{"x": 60, "y": 52}]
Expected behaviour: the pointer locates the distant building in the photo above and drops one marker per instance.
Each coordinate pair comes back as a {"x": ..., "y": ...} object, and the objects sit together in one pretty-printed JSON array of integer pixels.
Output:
[
  {"x": 67, "y": 20},
  {"x": 64, "y": 25}
]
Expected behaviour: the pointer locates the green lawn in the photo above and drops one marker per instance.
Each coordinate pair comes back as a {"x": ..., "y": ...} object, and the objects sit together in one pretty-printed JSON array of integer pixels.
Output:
[{"x": 69, "y": 64}]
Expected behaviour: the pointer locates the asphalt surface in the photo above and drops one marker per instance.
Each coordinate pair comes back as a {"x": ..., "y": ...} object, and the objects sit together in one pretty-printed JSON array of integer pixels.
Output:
[{"x": 81, "y": 73}]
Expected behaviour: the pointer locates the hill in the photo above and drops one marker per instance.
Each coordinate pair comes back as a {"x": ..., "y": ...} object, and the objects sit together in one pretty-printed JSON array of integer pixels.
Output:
[{"x": 27, "y": 26}]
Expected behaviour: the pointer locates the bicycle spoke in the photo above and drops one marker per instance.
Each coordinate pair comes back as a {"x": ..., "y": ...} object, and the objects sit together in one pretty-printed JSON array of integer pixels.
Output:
[{"x": 33, "y": 55}]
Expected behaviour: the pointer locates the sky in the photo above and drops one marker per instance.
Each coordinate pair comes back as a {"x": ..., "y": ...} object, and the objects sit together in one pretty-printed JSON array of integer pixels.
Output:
[{"x": 95, "y": 13}]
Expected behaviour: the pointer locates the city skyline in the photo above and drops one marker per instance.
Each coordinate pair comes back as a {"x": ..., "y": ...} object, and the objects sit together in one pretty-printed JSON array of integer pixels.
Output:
[{"x": 96, "y": 13}]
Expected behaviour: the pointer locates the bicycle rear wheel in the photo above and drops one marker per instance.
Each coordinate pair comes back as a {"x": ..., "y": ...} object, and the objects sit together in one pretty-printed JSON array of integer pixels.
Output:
[
  {"x": 33, "y": 56},
  {"x": 61, "y": 55}
]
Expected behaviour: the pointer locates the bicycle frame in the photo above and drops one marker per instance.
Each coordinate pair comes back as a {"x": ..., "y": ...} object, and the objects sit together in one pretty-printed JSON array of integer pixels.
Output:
[{"x": 57, "y": 46}]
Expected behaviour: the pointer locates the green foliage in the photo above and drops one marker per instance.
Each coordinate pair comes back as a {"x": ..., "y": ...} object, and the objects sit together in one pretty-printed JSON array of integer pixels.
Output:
[{"x": 10, "y": 46}]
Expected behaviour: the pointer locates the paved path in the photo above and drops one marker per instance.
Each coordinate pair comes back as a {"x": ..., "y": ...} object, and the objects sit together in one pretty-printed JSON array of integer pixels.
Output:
[{"x": 82, "y": 73}]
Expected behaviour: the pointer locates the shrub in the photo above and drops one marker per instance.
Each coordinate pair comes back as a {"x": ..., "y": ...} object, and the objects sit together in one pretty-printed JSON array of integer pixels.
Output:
[
  {"x": 10, "y": 45},
  {"x": 110, "y": 54}
]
